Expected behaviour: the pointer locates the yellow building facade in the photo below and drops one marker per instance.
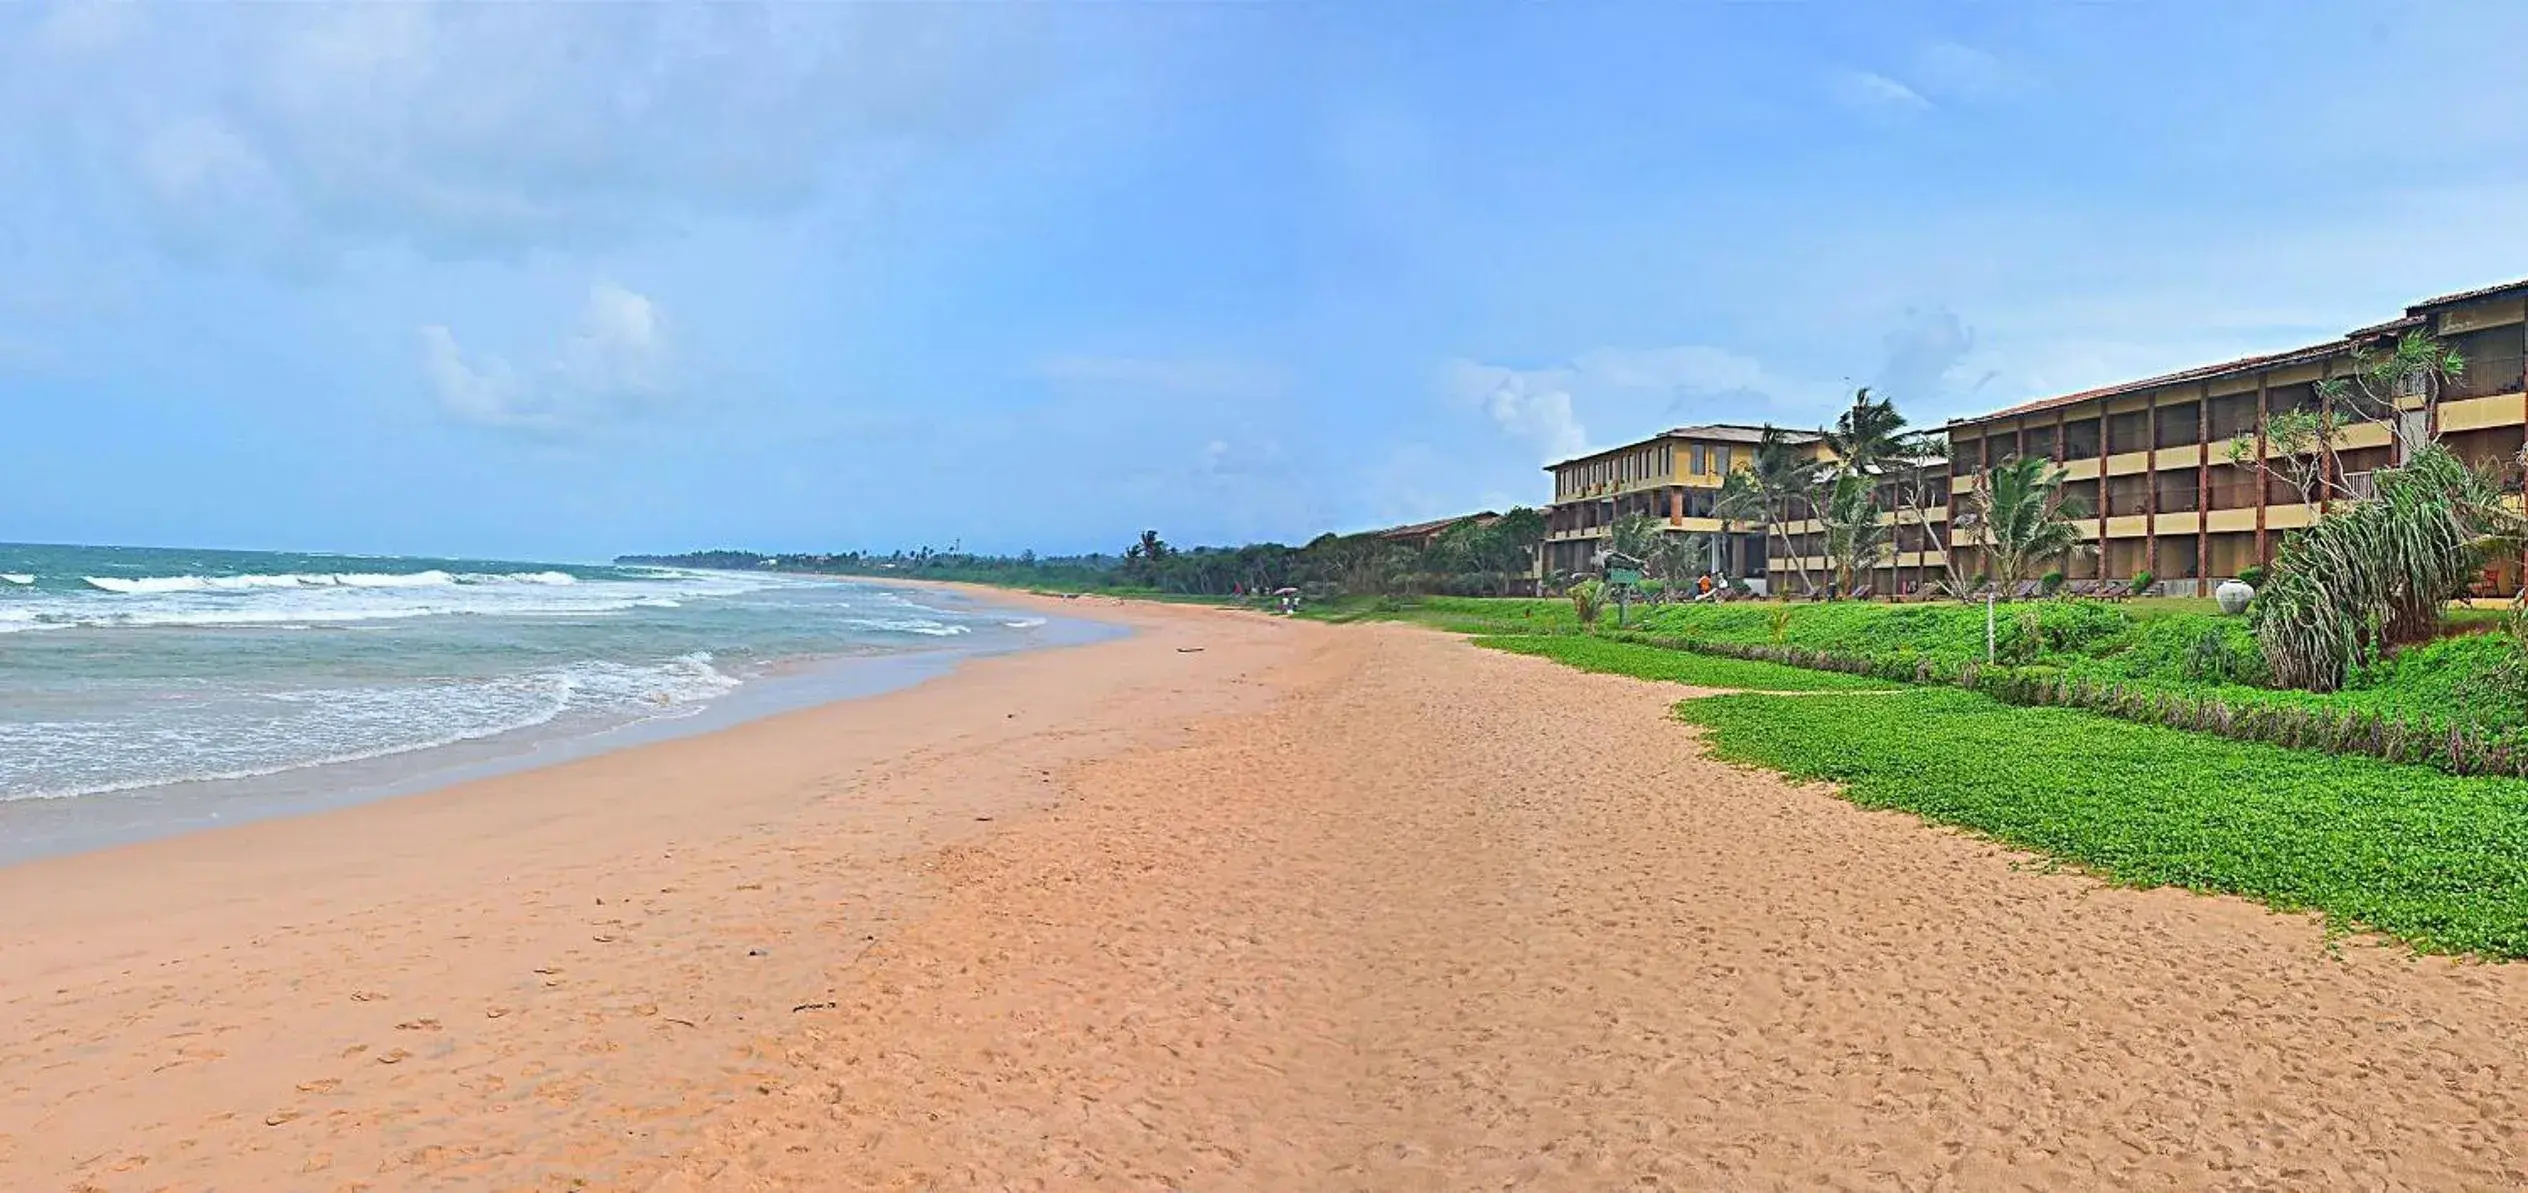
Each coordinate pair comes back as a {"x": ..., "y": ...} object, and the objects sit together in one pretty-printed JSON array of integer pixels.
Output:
[{"x": 1674, "y": 478}]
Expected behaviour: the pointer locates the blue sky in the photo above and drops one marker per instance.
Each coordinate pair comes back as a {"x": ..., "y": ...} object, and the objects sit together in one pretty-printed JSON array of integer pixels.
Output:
[{"x": 572, "y": 280}]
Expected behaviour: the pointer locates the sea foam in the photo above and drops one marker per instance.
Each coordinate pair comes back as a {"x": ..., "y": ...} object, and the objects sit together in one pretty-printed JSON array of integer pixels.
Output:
[{"x": 257, "y": 735}]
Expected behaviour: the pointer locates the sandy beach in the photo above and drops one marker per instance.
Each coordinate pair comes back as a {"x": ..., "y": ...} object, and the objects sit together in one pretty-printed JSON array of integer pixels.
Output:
[{"x": 1233, "y": 903}]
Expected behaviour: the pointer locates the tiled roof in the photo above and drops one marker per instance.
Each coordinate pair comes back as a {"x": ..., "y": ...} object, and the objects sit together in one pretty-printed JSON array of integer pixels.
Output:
[
  {"x": 2415, "y": 315},
  {"x": 1708, "y": 432},
  {"x": 2198, "y": 373},
  {"x": 2466, "y": 296},
  {"x": 1418, "y": 529}
]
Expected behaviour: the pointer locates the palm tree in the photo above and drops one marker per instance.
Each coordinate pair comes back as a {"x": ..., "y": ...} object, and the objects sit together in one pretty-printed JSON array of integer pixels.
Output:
[
  {"x": 2023, "y": 517},
  {"x": 1855, "y": 538},
  {"x": 1920, "y": 466},
  {"x": 1738, "y": 501},
  {"x": 1636, "y": 535},
  {"x": 1776, "y": 475},
  {"x": 1675, "y": 556},
  {"x": 1867, "y": 433}
]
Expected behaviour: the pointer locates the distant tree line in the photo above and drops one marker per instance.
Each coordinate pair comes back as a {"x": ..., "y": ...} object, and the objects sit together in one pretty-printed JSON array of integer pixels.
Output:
[{"x": 1484, "y": 556}]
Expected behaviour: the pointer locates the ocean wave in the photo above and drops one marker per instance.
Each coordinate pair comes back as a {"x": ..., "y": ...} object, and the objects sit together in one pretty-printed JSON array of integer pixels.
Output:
[
  {"x": 909, "y": 625},
  {"x": 274, "y": 733},
  {"x": 1024, "y": 623},
  {"x": 20, "y": 579},
  {"x": 434, "y": 578},
  {"x": 294, "y": 597},
  {"x": 249, "y": 616}
]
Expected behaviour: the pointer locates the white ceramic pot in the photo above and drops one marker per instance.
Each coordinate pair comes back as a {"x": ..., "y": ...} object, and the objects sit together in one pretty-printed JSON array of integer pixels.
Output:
[{"x": 2233, "y": 596}]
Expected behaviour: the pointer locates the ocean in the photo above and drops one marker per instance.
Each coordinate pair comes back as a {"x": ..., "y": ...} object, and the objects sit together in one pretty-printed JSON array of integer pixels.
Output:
[{"x": 148, "y": 691}]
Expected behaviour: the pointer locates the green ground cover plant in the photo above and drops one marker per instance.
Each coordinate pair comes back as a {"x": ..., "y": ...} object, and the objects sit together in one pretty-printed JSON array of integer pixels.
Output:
[
  {"x": 2436, "y": 860},
  {"x": 2459, "y": 702},
  {"x": 1589, "y": 653}
]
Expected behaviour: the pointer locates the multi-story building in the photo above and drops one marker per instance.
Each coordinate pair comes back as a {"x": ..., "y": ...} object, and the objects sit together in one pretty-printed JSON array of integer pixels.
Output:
[
  {"x": 1673, "y": 477},
  {"x": 2151, "y": 460}
]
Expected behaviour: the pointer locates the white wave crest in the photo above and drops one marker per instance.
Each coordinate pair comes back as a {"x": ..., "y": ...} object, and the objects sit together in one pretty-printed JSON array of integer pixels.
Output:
[
  {"x": 276, "y": 732},
  {"x": 434, "y": 578},
  {"x": 20, "y": 579},
  {"x": 909, "y": 625}
]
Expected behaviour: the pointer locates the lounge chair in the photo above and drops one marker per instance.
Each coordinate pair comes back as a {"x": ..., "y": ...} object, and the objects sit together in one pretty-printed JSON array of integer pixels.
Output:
[{"x": 1862, "y": 592}]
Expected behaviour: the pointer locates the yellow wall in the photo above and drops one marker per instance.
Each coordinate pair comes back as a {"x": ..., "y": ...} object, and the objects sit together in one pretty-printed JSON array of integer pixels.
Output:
[{"x": 2477, "y": 413}]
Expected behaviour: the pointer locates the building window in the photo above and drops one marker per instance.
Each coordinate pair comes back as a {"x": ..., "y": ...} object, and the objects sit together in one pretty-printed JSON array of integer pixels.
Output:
[
  {"x": 2233, "y": 416},
  {"x": 2037, "y": 441},
  {"x": 2282, "y": 399},
  {"x": 1723, "y": 452},
  {"x": 1694, "y": 456},
  {"x": 2128, "y": 432},
  {"x": 2179, "y": 425},
  {"x": 2080, "y": 440}
]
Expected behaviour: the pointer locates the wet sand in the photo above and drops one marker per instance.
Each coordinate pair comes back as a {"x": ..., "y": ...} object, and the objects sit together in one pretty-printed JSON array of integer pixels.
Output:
[{"x": 1306, "y": 908}]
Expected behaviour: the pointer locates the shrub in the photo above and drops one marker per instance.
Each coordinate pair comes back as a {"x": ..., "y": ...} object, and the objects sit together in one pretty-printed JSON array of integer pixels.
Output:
[
  {"x": 2375, "y": 573},
  {"x": 2052, "y": 583},
  {"x": 2209, "y": 658},
  {"x": 2253, "y": 575},
  {"x": 1586, "y": 597},
  {"x": 2018, "y": 641},
  {"x": 2142, "y": 581}
]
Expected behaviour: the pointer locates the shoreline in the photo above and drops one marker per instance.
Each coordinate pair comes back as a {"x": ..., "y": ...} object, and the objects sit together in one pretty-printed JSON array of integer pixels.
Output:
[
  {"x": 37, "y": 828},
  {"x": 628, "y": 926}
]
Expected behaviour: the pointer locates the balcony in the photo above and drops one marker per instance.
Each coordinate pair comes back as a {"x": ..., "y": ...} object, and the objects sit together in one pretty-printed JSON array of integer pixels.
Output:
[{"x": 2485, "y": 378}]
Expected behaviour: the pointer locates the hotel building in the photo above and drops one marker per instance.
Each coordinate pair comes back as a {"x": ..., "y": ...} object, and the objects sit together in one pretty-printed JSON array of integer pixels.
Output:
[
  {"x": 2150, "y": 459},
  {"x": 1673, "y": 477},
  {"x": 2149, "y": 462}
]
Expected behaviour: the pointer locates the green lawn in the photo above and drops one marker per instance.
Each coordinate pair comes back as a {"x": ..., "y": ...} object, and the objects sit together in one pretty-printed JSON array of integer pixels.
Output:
[
  {"x": 2436, "y": 860},
  {"x": 1651, "y": 662}
]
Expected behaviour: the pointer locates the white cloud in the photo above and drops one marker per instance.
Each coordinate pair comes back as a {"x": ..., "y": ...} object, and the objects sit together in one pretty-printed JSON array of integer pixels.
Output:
[
  {"x": 617, "y": 361},
  {"x": 490, "y": 131},
  {"x": 488, "y": 393},
  {"x": 1872, "y": 91},
  {"x": 1533, "y": 406},
  {"x": 619, "y": 348},
  {"x": 1634, "y": 391}
]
